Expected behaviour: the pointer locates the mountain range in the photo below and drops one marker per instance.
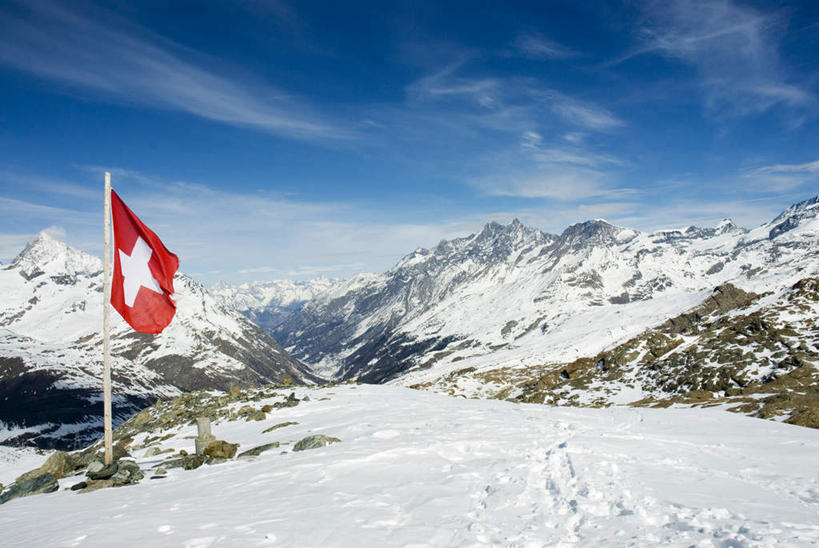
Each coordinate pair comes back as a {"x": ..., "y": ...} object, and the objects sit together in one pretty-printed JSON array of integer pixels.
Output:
[{"x": 497, "y": 311}]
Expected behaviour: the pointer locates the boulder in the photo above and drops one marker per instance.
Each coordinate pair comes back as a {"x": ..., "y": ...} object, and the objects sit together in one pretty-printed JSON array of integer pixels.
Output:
[
  {"x": 44, "y": 483},
  {"x": 97, "y": 472},
  {"x": 59, "y": 465},
  {"x": 314, "y": 442},
  {"x": 256, "y": 451},
  {"x": 127, "y": 473},
  {"x": 221, "y": 449}
]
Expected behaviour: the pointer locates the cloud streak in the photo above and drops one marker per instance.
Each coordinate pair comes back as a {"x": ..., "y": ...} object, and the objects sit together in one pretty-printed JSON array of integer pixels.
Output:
[
  {"x": 113, "y": 58},
  {"x": 733, "y": 48},
  {"x": 784, "y": 177}
]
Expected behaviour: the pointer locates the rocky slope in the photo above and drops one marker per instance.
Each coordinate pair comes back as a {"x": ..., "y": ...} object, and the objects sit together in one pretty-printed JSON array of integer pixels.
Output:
[
  {"x": 514, "y": 296},
  {"x": 51, "y": 349}
]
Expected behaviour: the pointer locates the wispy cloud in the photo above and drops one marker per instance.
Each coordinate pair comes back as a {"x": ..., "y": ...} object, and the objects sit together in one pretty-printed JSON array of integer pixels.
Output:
[
  {"x": 537, "y": 46},
  {"x": 784, "y": 177},
  {"x": 734, "y": 48},
  {"x": 112, "y": 58}
]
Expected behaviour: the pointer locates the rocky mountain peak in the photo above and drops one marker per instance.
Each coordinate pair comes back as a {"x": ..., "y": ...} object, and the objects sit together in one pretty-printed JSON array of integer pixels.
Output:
[
  {"x": 597, "y": 232},
  {"x": 48, "y": 255},
  {"x": 794, "y": 216}
]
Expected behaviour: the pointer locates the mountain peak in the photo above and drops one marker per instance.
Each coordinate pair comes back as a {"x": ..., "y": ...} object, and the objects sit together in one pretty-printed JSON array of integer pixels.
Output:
[
  {"x": 47, "y": 254},
  {"x": 593, "y": 232},
  {"x": 794, "y": 215}
]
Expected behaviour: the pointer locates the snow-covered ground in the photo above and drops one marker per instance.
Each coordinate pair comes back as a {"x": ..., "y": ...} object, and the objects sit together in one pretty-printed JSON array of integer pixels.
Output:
[{"x": 421, "y": 469}]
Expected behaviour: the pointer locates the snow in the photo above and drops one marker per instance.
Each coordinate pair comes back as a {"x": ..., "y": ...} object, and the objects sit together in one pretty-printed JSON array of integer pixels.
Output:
[{"x": 420, "y": 469}]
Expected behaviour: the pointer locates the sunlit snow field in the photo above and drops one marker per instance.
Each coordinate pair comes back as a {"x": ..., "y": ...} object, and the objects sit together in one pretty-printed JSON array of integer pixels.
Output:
[{"x": 420, "y": 469}]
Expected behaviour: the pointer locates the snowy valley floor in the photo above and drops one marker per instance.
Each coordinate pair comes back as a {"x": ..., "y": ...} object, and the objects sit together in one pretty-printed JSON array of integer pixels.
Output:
[{"x": 420, "y": 469}]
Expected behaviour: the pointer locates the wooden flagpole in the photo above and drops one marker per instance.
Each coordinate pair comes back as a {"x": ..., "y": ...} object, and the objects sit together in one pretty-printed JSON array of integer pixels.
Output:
[{"x": 106, "y": 368}]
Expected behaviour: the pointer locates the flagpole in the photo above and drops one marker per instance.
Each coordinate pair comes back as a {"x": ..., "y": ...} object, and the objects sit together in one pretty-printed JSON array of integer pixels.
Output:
[{"x": 106, "y": 369}]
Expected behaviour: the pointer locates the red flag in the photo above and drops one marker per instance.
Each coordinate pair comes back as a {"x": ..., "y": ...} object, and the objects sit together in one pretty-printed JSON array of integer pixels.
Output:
[{"x": 142, "y": 287}]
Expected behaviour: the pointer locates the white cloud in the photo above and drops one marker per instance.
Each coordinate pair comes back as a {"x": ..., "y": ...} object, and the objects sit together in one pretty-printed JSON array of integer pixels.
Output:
[
  {"x": 784, "y": 177},
  {"x": 108, "y": 56},
  {"x": 537, "y": 46},
  {"x": 734, "y": 49}
]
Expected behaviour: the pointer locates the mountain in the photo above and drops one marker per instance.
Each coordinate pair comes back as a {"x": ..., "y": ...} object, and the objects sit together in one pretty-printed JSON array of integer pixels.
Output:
[
  {"x": 268, "y": 303},
  {"x": 51, "y": 348},
  {"x": 514, "y": 296}
]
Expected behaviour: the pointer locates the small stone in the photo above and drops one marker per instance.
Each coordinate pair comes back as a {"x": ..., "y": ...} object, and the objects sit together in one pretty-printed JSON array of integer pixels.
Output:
[
  {"x": 267, "y": 408},
  {"x": 153, "y": 451},
  {"x": 44, "y": 483},
  {"x": 192, "y": 462},
  {"x": 221, "y": 449},
  {"x": 1, "y": 488},
  {"x": 183, "y": 453},
  {"x": 314, "y": 442},
  {"x": 78, "y": 486},
  {"x": 256, "y": 451},
  {"x": 161, "y": 472}
]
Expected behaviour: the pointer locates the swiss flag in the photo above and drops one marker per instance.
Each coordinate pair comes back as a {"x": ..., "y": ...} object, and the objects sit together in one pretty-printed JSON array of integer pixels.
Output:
[{"x": 142, "y": 287}]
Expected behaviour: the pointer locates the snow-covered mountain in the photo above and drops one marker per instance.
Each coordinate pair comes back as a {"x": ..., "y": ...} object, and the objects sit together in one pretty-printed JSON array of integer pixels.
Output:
[
  {"x": 51, "y": 348},
  {"x": 515, "y": 296},
  {"x": 268, "y": 302}
]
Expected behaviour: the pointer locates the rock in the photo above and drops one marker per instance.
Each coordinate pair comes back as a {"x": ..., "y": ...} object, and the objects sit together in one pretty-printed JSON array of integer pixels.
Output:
[
  {"x": 127, "y": 473},
  {"x": 256, "y": 416},
  {"x": 103, "y": 473},
  {"x": 58, "y": 465},
  {"x": 291, "y": 401},
  {"x": 78, "y": 486},
  {"x": 44, "y": 483},
  {"x": 95, "y": 485},
  {"x": 256, "y": 451},
  {"x": 1, "y": 488},
  {"x": 214, "y": 460},
  {"x": 267, "y": 408},
  {"x": 153, "y": 451},
  {"x": 183, "y": 453},
  {"x": 221, "y": 449},
  {"x": 161, "y": 471},
  {"x": 314, "y": 442},
  {"x": 188, "y": 462},
  {"x": 193, "y": 461},
  {"x": 95, "y": 466},
  {"x": 277, "y": 426}
]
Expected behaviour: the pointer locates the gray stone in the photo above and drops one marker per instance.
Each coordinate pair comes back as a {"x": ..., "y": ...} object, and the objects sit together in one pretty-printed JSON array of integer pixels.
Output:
[
  {"x": 256, "y": 451},
  {"x": 78, "y": 486},
  {"x": 127, "y": 473},
  {"x": 314, "y": 442},
  {"x": 44, "y": 483},
  {"x": 277, "y": 426},
  {"x": 103, "y": 473}
]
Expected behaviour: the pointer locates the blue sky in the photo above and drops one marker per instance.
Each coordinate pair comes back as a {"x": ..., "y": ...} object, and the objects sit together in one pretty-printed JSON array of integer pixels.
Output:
[{"x": 270, "y": 139}]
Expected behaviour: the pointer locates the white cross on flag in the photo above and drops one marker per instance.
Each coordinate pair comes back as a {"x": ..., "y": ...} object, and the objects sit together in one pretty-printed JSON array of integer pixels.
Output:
[{"x": 142, "y": 286}]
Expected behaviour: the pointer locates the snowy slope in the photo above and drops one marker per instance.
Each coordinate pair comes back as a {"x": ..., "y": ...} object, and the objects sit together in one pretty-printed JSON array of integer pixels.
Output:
[
  {"x": 418, "y": 469},
  {"x": 515, "y": 296},
  {"x": 51, "y": 346}
]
